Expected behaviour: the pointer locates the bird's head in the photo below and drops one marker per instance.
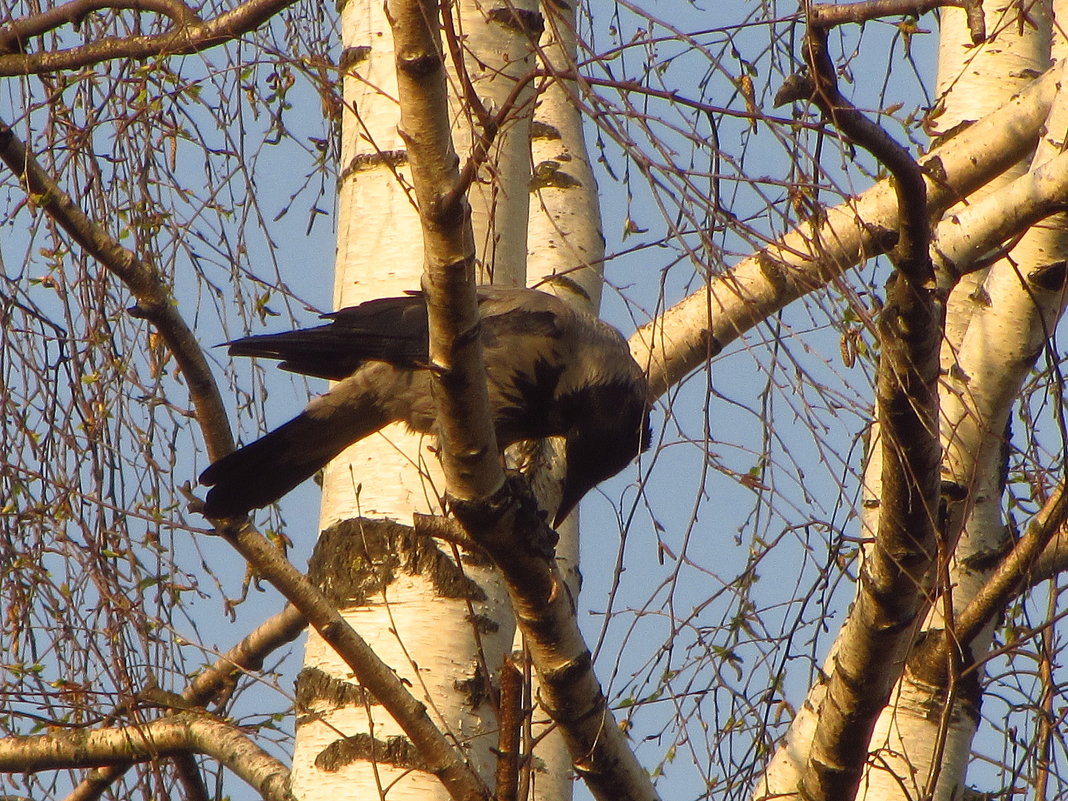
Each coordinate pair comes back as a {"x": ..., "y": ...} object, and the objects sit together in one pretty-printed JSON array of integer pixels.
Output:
[{"x": 609, "y": 433}]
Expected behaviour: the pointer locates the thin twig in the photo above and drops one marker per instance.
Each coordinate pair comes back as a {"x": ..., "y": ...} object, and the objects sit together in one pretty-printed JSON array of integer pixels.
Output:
[{"x": 153, "y": 298}]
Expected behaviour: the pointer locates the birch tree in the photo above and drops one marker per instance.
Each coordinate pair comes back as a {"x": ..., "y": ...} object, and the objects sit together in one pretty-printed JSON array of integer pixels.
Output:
[{"x": 834, "y": 575}]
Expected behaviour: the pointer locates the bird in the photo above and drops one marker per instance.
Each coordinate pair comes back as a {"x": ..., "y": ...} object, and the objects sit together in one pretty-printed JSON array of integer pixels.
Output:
[{"x": 551, "y": 370}]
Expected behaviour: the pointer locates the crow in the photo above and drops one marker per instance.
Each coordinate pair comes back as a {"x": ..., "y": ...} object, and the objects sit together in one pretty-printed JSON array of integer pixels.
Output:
[{"x": 551, "y": 371}]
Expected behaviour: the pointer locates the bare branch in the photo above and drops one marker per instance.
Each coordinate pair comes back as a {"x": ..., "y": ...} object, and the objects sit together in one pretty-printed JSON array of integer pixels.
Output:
[
  {"x": 154, "y": 303},
  {"x": 808, "y": 258},
  {"x": 1052, "y": 560},
  {"x": 569, "y": 690},
  {"x": 481, "y": 151},
  {"x": 191, "y": 37},
  {"x": 891, "y": 594},
  {"x": 1023, "y": 566},
  {"x": 964, "y": 240},
  {"x": 1038, "y": 555},
  {"x": 465, "y": 430},
  {"x": 446, "y": 529},
  {"x": 828, "y": 16},
  {"x": 510, "y": 721},
  {"x": 192, "y": 783},
  {"x": 247, "y": 655},
  {"x": 470, "y": 94},
  {"x": 183, "y": 734},
  {"x": 912, "y": 252},
  {"x": 14, "y": 34},
  {"x": 503, "y": 519}
]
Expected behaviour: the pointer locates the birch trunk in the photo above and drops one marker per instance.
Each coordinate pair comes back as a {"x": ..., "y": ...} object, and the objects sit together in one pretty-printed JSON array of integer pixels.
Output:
[{"x": 437, "y": 616}]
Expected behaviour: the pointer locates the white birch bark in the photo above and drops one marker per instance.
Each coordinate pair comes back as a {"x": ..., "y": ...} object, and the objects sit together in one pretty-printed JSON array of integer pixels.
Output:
[
  {"x": 443, "y": 647},
  {"x": 566, "y": 242},
  {"x": 496, "y": 35}
]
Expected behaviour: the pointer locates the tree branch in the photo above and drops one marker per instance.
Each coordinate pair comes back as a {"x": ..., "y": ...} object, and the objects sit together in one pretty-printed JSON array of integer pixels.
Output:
[
  {"x": 510, "y": 723},
  {"x": 179, "y": 735},
  {"x": 190, "y": 37},
  {"x": 464, "y": 428},
  {"x": 912, "y": 253},
  {"x": 247, "y": 655},
  {"x": 872, "y": 645},
  {"x": 568, "y": 688},
  {"x": 826, "y": 15},
  {"x": 13, "y": 35},
  {"x": 499, "y": 515},
  {"x": 806, "y": 259},
  {"x": 1024, "y": 566},
  {"x": 972, "y": 232},
  {"x": 1038, "y": 555},
  {"x": 1052, "y": 560},
  {"x": 189, "y": 778}
]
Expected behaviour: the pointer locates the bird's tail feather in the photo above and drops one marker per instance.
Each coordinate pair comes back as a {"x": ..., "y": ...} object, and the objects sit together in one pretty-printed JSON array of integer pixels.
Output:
[
  {"x": 375, "y": 331},
  {"x": 318, "y": 352},
  {"x": 265, "y": 470}
]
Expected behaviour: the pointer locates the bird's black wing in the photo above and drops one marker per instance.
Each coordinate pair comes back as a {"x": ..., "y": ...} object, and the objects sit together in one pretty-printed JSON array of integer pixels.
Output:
[
  {"x": 392, "y": 330},
  {"x": 265, "y": 470},
  {"x": 551, "y": 371}
]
